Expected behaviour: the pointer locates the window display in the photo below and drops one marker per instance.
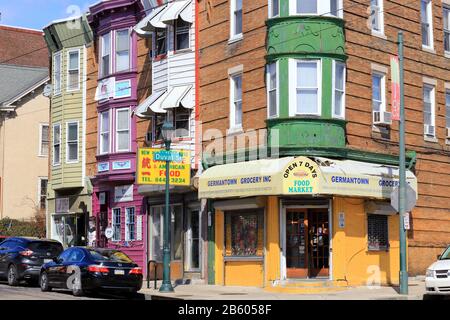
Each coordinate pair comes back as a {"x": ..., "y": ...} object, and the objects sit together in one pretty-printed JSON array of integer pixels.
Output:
[{"x": 244, "y": 233}]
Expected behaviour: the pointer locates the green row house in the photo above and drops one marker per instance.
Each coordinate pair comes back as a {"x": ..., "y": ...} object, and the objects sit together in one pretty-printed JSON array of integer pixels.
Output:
[{"x": 69, "y": 189}]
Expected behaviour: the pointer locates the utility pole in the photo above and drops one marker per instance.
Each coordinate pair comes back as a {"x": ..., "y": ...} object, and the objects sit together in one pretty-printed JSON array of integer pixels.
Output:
[{"x": 402, "y": 173}]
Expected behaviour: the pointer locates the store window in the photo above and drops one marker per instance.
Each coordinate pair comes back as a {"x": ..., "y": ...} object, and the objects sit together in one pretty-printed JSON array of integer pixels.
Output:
[
  {"x": 157, "y": 225},
  {"x": 244, "y": 232},
  {"x": 64, "y": 230},
  {"x": 377, "y": 232},
  {"x": 182, "y": 34},
  {"x": 122, "y": 50}
]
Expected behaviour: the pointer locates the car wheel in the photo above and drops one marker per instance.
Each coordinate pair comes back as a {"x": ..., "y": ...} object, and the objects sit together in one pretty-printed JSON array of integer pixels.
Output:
[
  {"x": 43, "y": 282},
  {"x": 12, "y": 276}
]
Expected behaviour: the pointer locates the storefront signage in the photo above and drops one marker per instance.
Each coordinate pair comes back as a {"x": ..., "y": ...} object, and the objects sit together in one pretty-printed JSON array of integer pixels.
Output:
[
  {"x": 121, "y": 165},
  {"x": 123, "y": 193},
  {"x": 122, "y": 89},
  {"x": 151, "y": 170},
  {"x": 341, "y": 220},
  {"x": 62, "y": 205},
  {"x": 103, "y": 166},
  {"x": 105, "y": 89},
  {"x": 300, "y": 177}
]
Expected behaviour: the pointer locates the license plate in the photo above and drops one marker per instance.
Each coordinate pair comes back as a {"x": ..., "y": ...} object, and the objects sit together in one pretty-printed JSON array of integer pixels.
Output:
[
  {"x": 119, "y": 272},
  {"x": 47, "y": 260}
]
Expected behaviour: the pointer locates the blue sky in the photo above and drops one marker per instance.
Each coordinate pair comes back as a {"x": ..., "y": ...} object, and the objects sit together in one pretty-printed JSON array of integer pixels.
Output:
[{"x": 36, "y": 14}]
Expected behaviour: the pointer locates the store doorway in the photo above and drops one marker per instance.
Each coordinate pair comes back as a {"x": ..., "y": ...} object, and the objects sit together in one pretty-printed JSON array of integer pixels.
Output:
[
  {"x": 192, "y": 242},
  {"x": 307, "y": 243}
]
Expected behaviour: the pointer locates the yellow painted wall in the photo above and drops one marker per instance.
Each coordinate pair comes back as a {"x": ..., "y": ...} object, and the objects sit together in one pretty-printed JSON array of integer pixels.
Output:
[
  {"x": 272, "y": 240},
  {"x": 244, "y": 273},
  {"x": 351, "y": 259}
]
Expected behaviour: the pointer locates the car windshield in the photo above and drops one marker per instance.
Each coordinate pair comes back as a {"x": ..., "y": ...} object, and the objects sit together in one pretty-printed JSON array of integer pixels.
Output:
[
  {"x": 43, "y": 247},
  {"x": 446, "y": 255},
  {"x": 110, "y": 256}
]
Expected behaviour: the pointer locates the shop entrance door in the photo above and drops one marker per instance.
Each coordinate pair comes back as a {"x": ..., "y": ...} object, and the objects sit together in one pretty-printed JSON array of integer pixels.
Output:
[
  {"x": 307, "y": 243},
  {"x": 192, "y": 243}
]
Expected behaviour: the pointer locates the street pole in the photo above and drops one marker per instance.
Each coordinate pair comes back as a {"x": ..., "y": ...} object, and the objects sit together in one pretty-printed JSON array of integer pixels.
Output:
[
  {"x": 402, "y": 173},
  {"x": 166, "y": 285}
]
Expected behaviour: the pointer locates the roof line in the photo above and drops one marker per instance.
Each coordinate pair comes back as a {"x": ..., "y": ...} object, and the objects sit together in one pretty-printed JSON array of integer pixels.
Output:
[
  {"x": 27, "y": 91},
  {"x": 17, "y": 28},
  {"x": 63, "y": 20}
]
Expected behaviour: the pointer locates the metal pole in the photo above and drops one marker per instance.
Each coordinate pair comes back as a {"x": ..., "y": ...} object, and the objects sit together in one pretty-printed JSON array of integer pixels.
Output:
[
  {"x": 166, "y": 285},
  {"x": 402, "y": 173}
]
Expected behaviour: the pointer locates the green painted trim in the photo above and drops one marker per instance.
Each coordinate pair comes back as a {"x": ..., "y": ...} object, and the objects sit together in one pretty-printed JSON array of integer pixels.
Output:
[
  {"x": 275, "y": 121},
  {"x": 283, "y": 76},
  {"x": 211, "y": 244}
]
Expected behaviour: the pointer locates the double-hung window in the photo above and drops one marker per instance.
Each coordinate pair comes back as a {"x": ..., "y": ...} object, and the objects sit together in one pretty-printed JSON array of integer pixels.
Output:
[
  {"x": 72, "y": 142},
  {"x": 161, "y": 42},
  {"x": 105, "y": 59},
  {"x": 427, "y": 23},
  {"x": 339, "y": 90},
  {"x": 182, "y": 117},
  {"x": 429, "y": 110},
  {"x": 446, "y": 18},
  {"x": 44, "y": 140},
  {"x": 274, "y": 8},
  {"x": 123, "y": 129},
  {"x": 130, "y": 231},
  {"x": 447, "y": 112},
  {"x": 43, "y": 182},
  {"x": 73, "y": 71},
  {"x": 307, "y": 81},
  {"x": 182, "y": 34},
  {"x": 316, "y": 7},
  {"x": 56, "y": 144},
  {"x": 272, "y": 90},
  {"x": 57, "y": 74},
  {"x": 307, "y": 6},
  {"x": 122, "y": 50},
  {"x": 377, "y": 16},
  {"x": 116, "y": 224},
  {"x": 104, "y": 132},
  {"x": 378, "y": 96},
  {"x": 236, "y": 101},
  {"x": 236, "y": 18}
]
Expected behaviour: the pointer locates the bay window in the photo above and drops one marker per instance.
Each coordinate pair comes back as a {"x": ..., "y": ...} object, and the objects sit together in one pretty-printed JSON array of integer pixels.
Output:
[
  {"x": 182, "y": 34},
  {"x": 72, "y": 142},
  {"x": 274, "y": 8},
  {"x": 105, "y": 55},
  {"x": 316, "y": 7},
  {"x": 122, "y": 50},
  {"x": 306, "y": 79},
  {"x": 307, "y": 6},
  {"x": 73, "y": 71},
  {"x": 338, "y": 89},
  {"x": 104, "y": 132},
  {"x": 56, "y": 144},
  {"x": 123, "y": 129},
  {"x": 272, "y": 90}
]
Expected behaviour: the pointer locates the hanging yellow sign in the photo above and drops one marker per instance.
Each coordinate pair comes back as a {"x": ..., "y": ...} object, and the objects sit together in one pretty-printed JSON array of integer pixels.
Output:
[{"x": 151, "y": 167}]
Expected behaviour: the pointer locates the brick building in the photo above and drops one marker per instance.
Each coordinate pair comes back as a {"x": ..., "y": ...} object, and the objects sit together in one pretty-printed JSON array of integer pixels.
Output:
[{"x": 317, "y": 78}]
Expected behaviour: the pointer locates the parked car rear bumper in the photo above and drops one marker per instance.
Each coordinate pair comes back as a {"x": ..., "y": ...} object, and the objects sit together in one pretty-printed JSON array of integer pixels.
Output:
[{"x": 93, "y": 282}]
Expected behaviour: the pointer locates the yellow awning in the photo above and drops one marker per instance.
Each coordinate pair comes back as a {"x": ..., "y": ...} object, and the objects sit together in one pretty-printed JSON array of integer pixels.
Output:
[{"x": 301, "y": 176}]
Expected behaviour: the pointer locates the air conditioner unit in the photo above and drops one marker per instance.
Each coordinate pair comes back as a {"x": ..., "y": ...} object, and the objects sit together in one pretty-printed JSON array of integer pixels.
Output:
[
  {"x": 429, "y": 130},
  {"x": 382, "y": 118}
]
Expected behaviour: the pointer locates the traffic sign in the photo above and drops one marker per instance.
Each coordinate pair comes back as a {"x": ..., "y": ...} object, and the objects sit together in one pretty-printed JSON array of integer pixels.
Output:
[{"x": 411, "y": 198}]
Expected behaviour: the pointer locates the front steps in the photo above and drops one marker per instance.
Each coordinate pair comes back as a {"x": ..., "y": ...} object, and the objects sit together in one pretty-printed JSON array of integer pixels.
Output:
[{"x": 306, "y": 286}]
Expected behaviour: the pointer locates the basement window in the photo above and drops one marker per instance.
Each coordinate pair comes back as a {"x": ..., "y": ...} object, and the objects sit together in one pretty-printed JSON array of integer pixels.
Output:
[{"x": 377, "y": 232}]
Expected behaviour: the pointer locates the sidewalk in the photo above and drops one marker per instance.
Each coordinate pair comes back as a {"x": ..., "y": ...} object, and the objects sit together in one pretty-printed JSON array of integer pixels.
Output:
[{"x": 213, "y": 292}]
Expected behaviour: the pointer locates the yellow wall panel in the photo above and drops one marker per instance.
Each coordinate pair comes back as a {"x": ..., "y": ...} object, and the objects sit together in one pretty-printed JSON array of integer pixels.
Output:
[
  {"x": 272, "y": 240},
  {"x": 244, "y": 273}
]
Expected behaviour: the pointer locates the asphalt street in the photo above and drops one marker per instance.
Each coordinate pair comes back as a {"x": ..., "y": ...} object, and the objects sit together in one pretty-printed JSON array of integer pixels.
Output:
[{"x": 27, "y": 292}]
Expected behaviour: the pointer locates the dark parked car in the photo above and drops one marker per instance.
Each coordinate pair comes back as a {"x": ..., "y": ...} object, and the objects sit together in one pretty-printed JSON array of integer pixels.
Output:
[
  {"x": 21, "y": 258},
  {"x": 85, "y": 270}
]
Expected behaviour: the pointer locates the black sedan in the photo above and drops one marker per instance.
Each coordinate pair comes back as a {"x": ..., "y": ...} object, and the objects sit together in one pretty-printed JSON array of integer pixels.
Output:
[
  {"x": 21, "y": 258},
  {"x": 84, "y": 270}
]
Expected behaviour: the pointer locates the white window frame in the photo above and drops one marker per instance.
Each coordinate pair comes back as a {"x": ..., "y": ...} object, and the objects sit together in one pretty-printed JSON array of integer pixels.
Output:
[
  {"x": 68, "y": 89},
  {"x": 277, "y": 89},
  {"x": 40, "y": 191},
  {"x": 59, "y": 143},
  {"x": 175, "y": 33},
  {"x": 100, "y": 125},
  {"x": 293, "y": 87},
  {"x": 77, "y": 141},
  {"x": 383, "y": 90},
  {"x": 40, "y": 154},
  {"x": 233, "y": 35},
  {"x": 101, "y": 53},
  {"x": 129, "y": 50},
  {"x": 433, "y": 107},
  {"x": 380, "y": 11},
  {"x": 446, "y": 9},
  {"x": 271, "y": 8},
  {"x": 127, "y": 224},
  {"x": 56, "y": 79},
  {"x": 429, "y": 16},
  {"x": 113, "y": 224},
  {"x": 323, "y": 9},
  {"x": 116, "y": 132},
  {"x": 333, "y": 99},
  {"x": 233, "y": 125}
]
